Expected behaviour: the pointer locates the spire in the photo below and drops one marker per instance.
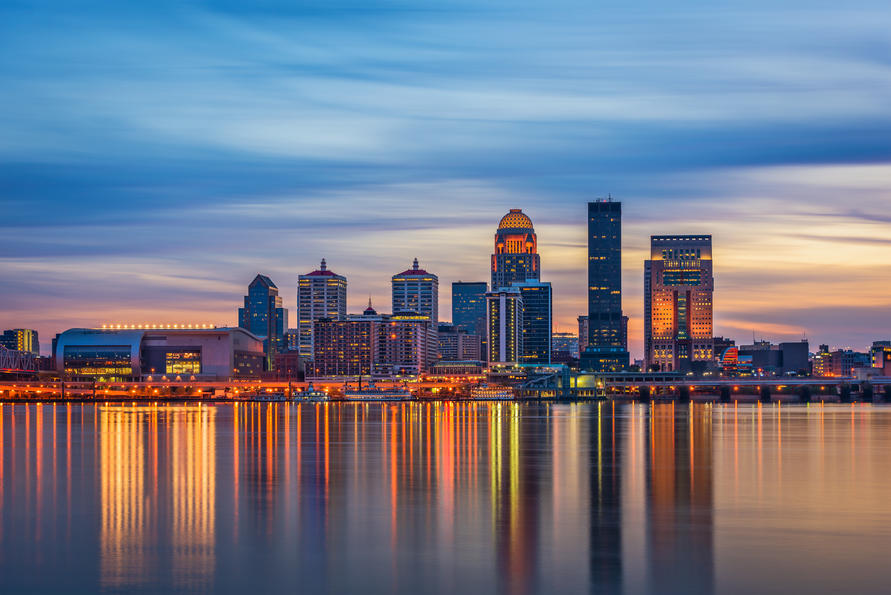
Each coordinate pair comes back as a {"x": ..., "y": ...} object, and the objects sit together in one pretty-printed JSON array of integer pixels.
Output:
[
  {"x": 324, "y": 265},
  {"x": 369, "y": 303},
  {"x": 414, "y": 265}
]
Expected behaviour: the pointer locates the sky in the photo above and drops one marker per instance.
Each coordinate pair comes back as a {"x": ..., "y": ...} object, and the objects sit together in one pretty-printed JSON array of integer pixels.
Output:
[{"x": 154, "y": 157}]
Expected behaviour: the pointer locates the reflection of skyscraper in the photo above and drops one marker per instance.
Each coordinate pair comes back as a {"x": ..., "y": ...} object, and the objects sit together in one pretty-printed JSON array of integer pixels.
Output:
[
  {"x": 678, "y": 286},
  {"x": 606, "y": 500},
  {"x": 605, "y": 351},
  {"x": 264, "y": 316},
  {"x": 680, "y": 531},
  {"x": 516, "y": 251}
]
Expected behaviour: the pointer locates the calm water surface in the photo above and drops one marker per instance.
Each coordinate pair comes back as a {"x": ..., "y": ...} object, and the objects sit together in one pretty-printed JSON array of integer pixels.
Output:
[{"x": 445, "y": 497}]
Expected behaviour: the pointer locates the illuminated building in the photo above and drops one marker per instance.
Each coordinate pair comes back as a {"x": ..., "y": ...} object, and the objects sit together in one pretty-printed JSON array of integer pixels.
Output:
[
  {"x": 456, "y": 344},
  {"x": 264, "y": 316},
  {"x": 775, "y": 360},
  {"x": 133, "y": 353},
  {"x": 371, "y": 343},
  {"x": 516, "y": 251},
  {"x": 21, "y": 339},
  {"x": 537, "y": 316},
  {"x": 505, "y": 320},
  {"x": 344, "y": 347},
  {"x": 605, "y": 350},
  {"x": 320, "y": 294},
  {"x": 583, "y": 334},
  {"x": 564, "y": 348},
  {"x": 880, "y": 356},
  {"x": 469, "y": 309},
  {"x": 678, "y": 287},
  {"x": 839, "y": 363},
  {"x": 416, "y": 290}
]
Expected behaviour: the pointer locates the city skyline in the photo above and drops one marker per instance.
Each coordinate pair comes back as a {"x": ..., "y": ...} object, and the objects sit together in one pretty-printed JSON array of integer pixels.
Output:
[{"x": 134, "y": 192}]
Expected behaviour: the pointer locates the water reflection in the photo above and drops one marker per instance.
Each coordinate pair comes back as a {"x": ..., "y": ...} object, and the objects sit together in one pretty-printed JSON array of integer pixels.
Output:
[{"x": 440, "y": 497}]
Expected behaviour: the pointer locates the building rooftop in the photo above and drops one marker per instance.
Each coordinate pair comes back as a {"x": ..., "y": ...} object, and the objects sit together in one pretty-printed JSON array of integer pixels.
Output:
[{"x": 515, "y": 219}]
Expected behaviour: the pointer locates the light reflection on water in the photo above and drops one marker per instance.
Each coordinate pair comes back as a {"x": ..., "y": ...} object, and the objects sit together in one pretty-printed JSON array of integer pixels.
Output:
[{"x": 442, "y": 497}]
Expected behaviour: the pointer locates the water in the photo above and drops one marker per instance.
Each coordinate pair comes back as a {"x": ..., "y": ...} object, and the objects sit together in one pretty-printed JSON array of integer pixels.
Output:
[{"x": 445, "y": 497}]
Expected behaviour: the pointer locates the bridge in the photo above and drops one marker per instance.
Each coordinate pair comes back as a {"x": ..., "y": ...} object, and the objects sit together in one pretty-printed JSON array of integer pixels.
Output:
[
  {"x": 17, "y": 363},
  {"x": 655, "y": 386}
]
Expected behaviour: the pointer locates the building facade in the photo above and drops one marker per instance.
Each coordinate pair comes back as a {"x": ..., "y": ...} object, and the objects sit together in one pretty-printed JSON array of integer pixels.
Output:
[
  {"x": 264, "y": 316},
  {"x": 416, "y": 290},
  {"x": 516, "y": 256},
  {"x": 469, "y": 308},
  {"x": 678, "y": 288},
  {"x": 320, "y": 294},
  {"x": 21, "y": 339},
  {"x": 456, "y": 344},
  {"x": 537, "y": 321},
  {"x": 133, "y": 353},
  {"x": 605, "y": 351},
  {"x": 505, "y": 321},
  {"x": 344, "y": 347}
]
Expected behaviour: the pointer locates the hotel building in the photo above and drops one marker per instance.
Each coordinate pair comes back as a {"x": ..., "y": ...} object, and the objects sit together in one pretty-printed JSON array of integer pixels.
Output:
[
  {"x": 320, "y": 294},
  {"x": 416, "y": 290},
  {"x": 678, "y": 288}
]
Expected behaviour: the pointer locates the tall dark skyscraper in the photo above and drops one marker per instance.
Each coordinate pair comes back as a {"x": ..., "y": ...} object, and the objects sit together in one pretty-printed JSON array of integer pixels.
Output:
[
  {"x": 537, "y": 315},
  {"x": 605, "y": 351},
  {"x": 516, "y": 251},
  {"x": 264, "y": 316},
  {"x": 469, "y": 308}
]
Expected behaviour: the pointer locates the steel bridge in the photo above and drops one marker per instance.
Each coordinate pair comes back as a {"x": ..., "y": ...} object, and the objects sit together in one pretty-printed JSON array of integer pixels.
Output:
[{"x": 14, "y": 362}]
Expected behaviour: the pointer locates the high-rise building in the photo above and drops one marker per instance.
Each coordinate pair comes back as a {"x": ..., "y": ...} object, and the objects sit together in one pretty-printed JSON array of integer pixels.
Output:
[
  {"x": 678, "y": 287},
  {"x": 456, "y": 344},
  {"x": 407, "y": 345},
  {"x": 469, "y": 307},
  {"x": 583, "y": 334},
  {"x": 605, "y": 351},
  {"x": 344, "y": 347},
  {"x": 416, "y": 290},
  {"x": 264, "y": 316},
  {"x": 516, "y": 251},
  {"x": 21, "y": 339},
  {"x": 537, "y": 326},
  {"x": 505, "y": 320},
  {"x": 320, "y": 294}
]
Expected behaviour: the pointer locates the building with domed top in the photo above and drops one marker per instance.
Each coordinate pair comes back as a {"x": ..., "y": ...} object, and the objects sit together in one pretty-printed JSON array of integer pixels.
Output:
[{"x": 516, "y": 251}]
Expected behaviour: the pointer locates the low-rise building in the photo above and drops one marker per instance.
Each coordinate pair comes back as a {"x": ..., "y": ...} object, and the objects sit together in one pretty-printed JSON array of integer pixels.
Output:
[{"x": 133, "y": 353}]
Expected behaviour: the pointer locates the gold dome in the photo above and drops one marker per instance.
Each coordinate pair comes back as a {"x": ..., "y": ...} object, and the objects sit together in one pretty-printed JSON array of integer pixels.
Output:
[{"x": 515, "y": 219}]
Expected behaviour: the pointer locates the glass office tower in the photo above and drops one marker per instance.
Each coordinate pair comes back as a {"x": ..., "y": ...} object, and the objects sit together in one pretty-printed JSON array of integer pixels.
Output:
[
  {"x": 469, "y": 308},
  {"x": 537, "y": 312},
  {"x": 264, "y": 316}
]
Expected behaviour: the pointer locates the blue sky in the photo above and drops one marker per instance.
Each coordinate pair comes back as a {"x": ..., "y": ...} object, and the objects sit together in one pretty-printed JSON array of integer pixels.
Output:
[{"x": 155, "y": 157}]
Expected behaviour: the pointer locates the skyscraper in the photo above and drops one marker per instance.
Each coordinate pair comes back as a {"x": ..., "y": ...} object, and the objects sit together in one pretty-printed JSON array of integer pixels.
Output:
[
  {"x": 678, "y": 287},
  {"x": 21, "y": 339},
  {"x": 320, "y": 294},
  {"x": 505, "y": 320},
  {"x": 416, "y": 290},
  {"x": 516, "y": 251},
  {"x": 537, "y": 309},
  {"x": 469, "y": 306},
  {"x": 264, "y": 316},
  {"x": 605, "y": 352}
]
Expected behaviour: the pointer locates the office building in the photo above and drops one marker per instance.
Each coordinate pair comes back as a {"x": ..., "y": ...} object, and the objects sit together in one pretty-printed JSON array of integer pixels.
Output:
[
  {"x": 469, "y": 308},
  {"x": 537, "y": 321},
  {"x": 768, "y": 359},
  {"x": 516, "y": 251},
  {"x": 678, "y": 287},
  {"x": 21, "y": 339},
  {"x": 264, "y": 316},
  {"x": 880, "y": 356},
  {"x": 344, "y": 347},
  {"x": 839, "y": 363},
  {"x": 456, "y": 344},
  {"x": 505, "y": 321},
  {"x": 320, "y": 294},
  {"x": 583, "y": 334},
  {"x": 134, "y": 353},
  {"x": 606, "y": 351},
  {"x": 416, "y": 290}
]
